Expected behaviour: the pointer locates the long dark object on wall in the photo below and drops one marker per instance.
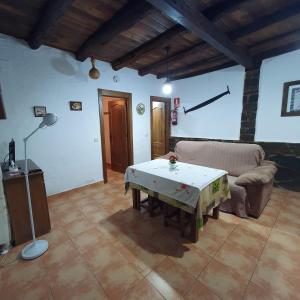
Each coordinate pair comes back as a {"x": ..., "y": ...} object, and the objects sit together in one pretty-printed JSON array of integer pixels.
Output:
[{"x": 207, "y": 102}]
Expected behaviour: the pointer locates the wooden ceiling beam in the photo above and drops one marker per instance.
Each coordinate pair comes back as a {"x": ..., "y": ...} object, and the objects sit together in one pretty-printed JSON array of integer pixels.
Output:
[
  {"x": 258, "y": 58},
  {"x": 204, "y": 71},
  {"x": 133, "y": 12},
  {"x": 52, "y": 11},
  {"x": 159, "y": 41},
  {"x": 257, "y": 25},
  {"x": 266, "y": 21},
  {"x": 187, "y": 68},
  {"x": 222, "y": 8},
  {"x": 212, "y": 13},
  {"x": 184, "y": 13}
]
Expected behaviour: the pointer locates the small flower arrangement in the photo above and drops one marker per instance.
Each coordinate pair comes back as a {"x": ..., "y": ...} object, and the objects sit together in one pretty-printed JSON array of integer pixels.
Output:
[
  {"x": 172, "y": 159},
  {"x": 172, "y": 162}
]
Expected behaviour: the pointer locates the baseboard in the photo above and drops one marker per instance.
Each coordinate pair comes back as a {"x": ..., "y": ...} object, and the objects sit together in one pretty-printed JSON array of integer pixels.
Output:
[{"x": 74, "y": 191}]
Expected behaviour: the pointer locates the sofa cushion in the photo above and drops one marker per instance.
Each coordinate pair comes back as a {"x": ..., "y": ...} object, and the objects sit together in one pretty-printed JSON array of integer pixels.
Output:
[{"x": 235, "y": 158}]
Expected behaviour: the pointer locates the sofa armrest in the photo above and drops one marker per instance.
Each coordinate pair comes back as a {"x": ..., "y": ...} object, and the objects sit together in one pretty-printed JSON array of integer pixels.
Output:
[{"x": 259, "y": 175}]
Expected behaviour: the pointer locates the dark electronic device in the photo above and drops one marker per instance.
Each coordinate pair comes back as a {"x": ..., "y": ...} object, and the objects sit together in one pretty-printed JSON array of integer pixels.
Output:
[{"x": 12, "y": 152}]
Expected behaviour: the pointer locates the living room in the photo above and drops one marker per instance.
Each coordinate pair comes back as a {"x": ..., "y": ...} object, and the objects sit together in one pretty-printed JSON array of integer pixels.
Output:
[{"x": 228, "y": 89}]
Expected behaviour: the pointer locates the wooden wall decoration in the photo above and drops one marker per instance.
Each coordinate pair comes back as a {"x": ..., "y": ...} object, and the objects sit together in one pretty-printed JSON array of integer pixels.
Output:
[
  {"x": 207, "y": 101},
  {"x": 2, "y": 111}
]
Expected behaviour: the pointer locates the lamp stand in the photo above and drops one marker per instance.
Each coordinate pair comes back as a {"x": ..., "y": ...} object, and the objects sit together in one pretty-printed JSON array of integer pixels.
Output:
[{"x": 37, "y": 247}]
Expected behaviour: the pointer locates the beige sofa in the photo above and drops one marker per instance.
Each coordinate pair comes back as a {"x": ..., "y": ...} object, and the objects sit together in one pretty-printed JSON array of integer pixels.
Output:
[{"x": 250, "y": 176}]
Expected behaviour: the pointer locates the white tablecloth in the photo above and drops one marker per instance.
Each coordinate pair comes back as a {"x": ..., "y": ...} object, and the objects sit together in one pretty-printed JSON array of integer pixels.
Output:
[{"x": 183, "y": 184}]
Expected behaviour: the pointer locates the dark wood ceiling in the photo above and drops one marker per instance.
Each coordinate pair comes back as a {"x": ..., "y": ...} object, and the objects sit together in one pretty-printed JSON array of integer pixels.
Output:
[{"x": 202, "y": 35}]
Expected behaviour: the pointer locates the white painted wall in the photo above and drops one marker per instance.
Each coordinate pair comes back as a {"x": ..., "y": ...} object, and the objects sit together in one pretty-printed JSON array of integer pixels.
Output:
[
  {"x": 70, "y": 152},
  {"x": 219, "y": 120},
  {"x": 270, "y": 126}
]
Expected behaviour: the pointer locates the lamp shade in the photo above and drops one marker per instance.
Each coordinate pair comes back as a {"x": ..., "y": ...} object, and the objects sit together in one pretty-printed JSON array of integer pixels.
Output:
[{"x": 48, "y": 120}]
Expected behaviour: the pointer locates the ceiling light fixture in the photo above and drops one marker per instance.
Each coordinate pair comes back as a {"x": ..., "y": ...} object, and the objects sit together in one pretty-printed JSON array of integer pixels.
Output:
[{"x": 167, "y": 86}]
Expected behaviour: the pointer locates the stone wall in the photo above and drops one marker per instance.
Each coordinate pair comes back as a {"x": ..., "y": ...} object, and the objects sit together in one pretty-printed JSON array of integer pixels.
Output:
[{"x": 250, "y": 99}]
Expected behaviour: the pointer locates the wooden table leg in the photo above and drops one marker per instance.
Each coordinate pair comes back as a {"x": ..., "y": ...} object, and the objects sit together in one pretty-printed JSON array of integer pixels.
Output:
[
  {"x": 165, "y": 213},
  {"x": 194, "y": 229},
  {"x": 216, "y": 212},
  {"x": 182, "y": 223},
  {"x": 136, "y": 199},
  {"x": 150, "y": 203}
]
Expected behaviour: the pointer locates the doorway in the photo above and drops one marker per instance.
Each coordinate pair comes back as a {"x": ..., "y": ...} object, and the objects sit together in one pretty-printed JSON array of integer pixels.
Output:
[
  {"x": 160, "y": 125},
  {"x": 116, "y": 131}
]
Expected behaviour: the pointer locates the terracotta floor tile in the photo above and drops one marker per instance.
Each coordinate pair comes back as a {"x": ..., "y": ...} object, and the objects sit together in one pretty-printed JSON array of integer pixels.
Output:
[
  {"x": 255, "y": 230},
  {"x": 87, "y": 240},
  {"x": 223, "y": 281},
  {"x": 239, "y": 260},
  {"x": 200, "y": 291},
  {"x": 209, "y": 243},
  {"x": 20, "y": 274},
  {"x": 281, "y": 260},
  {"x": 60, "y": 255},
  {"x": 100, "y": 256},
  {"x": 229, "y": 218},
  {"x": 74, "y": 281},
  {"x": 255, "y": 292},
  {"x": 241, "y": 239},
  {"x": 55, "y": 237},
  {"x": 101, "y": 248},
  {"x": 279, "y": 283},
  {"x": 193, "y": 261},
  {"x": 170, "y": 279},
  {"x": 77, "y": 227},
  {"x": 285, "y": 241},
  {"x": 144, "y": 259},
  {"x": 144, "y": 290},
  {"x": 117, "y": 278},
  {"x": 218, "y": 228},
  {"x": 37, "y": 289}
]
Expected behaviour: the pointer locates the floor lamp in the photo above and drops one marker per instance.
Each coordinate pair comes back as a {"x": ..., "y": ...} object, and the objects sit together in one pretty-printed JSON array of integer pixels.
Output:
[{"x": 37, "y": 247}]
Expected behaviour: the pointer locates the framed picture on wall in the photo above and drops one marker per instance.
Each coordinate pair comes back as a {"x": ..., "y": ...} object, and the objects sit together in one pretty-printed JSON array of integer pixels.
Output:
[
  {"x": 76, "y": 105},
  {"x": 39, "y": 111},
  {"x": 291, "y": 99}
]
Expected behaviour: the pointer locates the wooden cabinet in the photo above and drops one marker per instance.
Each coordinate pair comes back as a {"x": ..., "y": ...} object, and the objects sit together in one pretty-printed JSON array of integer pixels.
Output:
[{"x": 16, "y": 199}]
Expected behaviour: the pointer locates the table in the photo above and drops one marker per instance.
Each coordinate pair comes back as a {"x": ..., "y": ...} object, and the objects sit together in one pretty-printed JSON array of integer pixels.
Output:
[{"x": 192, "y": 188}]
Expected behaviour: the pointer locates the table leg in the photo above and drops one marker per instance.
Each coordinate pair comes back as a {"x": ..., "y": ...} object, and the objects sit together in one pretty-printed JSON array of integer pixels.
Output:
[
  {"x": 150, "y": 202},
  {"x": 182, "y": 223},
  {"x": 165, "y": 213},
  {"x": 194, "y": 229},
  {"x": 136, "y": 199},
  {"x": 216, "y": 212}
]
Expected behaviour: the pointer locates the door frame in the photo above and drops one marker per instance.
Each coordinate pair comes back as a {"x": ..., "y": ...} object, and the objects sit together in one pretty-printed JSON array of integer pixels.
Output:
[
  {"x": 128, "y": 99},
  {"x": 167, "y": 102}
]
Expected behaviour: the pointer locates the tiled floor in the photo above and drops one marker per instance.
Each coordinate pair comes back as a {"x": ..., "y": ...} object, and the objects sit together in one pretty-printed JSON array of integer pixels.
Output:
[{"x": 100, "y": 248}]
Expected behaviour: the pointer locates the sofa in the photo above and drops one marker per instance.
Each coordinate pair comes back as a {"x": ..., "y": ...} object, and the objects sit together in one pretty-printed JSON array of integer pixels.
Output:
[{"x": 250, "y": 176}]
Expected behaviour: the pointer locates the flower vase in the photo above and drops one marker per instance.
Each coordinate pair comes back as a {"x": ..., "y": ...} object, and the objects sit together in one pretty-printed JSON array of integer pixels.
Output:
[{"x": 172, "y": 166}]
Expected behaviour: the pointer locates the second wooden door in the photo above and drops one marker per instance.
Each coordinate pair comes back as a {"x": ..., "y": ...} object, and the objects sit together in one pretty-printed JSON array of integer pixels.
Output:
[
  {"x": 118, "y": 135},
  {"x": 160, "y": 126}
]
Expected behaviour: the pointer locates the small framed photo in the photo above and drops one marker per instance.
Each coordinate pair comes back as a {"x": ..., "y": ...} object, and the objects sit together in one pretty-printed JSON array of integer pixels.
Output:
[
  {"x": 39, "y": 111},
  {"x": 291, "y": 99},
  {"x": 76, "y": 105}
]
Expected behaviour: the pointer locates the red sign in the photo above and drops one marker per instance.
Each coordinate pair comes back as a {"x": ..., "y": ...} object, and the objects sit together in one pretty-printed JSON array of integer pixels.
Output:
[{"x": 176, "y": 102}]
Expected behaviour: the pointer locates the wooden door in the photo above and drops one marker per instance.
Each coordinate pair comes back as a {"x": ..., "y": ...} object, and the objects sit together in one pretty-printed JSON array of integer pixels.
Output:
[
  {"x": 160, "y": 117},
  {"x": 118, "y": 135}
]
